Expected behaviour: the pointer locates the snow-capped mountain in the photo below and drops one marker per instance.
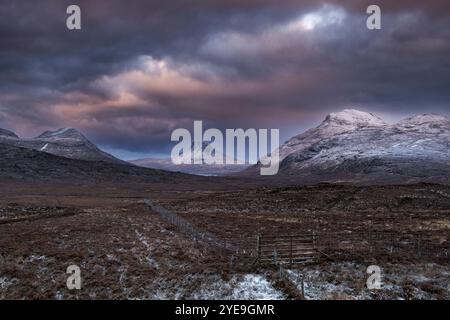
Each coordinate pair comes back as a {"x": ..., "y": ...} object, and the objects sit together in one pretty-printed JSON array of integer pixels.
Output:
[
  {"x": 355, "y": 146},
  {"x": 334, "y": 124},
  {"x": 197, "y": 169},
  {"x": 66, "y": 142},
  {"x": 7, "y": 133}
]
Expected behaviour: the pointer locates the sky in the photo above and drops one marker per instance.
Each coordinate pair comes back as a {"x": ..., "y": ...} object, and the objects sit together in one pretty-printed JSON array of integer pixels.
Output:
[{"x": 137, "y": 70}]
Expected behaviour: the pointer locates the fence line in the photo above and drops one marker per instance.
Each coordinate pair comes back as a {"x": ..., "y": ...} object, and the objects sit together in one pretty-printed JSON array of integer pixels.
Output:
[
  {"x": 195, "y": 233},
  {"x": 327, "y": 243},
  {"x": 419, "y": 245}
]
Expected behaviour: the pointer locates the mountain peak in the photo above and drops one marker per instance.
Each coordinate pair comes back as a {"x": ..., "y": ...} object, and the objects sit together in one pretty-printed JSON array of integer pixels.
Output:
[
  {"x": 354, "y": 146},
  {"x": 7, "y": 133},
  {"x": 64, "y": 142},
  {"x": 62, "y": 133},
  {"x": 352, "y": 117}
]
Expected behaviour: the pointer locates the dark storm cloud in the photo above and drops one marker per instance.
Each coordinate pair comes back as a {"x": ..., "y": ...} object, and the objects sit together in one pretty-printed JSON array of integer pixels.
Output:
[{"x": 139, "y": 69}]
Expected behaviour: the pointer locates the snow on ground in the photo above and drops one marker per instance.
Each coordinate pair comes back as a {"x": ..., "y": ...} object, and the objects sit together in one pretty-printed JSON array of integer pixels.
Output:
[
  {"x": 238, "y": 287},
  {"x": 5, "y": 283},
  {"x": 347, "y": 280},
  {"x": 255, "y": 287}
]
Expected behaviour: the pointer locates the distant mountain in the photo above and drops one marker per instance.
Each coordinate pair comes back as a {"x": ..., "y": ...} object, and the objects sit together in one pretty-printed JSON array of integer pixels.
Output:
[
  {"x": 197, "y": 169},
  {"x": 66, "y": 142},
  {"x": 358, "y": 147}
]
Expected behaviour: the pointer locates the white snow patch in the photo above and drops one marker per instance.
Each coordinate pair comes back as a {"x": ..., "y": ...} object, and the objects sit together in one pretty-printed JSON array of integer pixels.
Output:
[
  {"x": 33, "y": 258},
  {"x": 417, "y": 143},
  {"x": 5, "y": 283},
  {"x": 356, "y": 117},
  {"x": 60, "y": 131},
  {"x": 255, "y": 287},
  {"x": 44, "y": 147},
  {"x": 152, "y": 262},
  {"x": 59, "y": 295},
  {"x": 247, "y": 287}
]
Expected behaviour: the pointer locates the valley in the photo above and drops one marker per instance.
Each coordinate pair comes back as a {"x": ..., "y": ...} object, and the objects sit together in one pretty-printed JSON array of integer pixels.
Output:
[
  {"x": 126, "y": 251},
  {"x": 365, "y": 192}
]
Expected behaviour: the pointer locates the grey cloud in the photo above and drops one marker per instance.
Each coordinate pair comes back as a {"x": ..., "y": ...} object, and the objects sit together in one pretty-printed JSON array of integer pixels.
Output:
[{"x": 270, "y": 78}]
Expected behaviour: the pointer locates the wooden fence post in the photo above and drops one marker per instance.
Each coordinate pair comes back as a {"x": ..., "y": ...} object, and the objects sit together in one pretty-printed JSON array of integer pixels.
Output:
[
  {"x": 314, "y": 241},
  {"x": 290, "y": 254},
  {"x": 302, "y": 283},
  {"x": 258, "y": 246},
  {"x": 419, "y": 244},
  {"x": 392, "y": 243}
]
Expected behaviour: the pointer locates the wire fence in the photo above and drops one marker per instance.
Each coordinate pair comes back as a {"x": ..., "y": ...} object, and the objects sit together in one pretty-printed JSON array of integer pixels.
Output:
[
  {"x": 197, "y": 235},
  {"x": 413, "y": 245},
  {"x": 293, "y": 247}
]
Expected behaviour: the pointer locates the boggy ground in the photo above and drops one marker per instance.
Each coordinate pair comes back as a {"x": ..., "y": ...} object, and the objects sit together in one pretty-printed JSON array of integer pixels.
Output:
[
  {"x": 126, "y": 251},
  {"x": 338, "y": 213}
]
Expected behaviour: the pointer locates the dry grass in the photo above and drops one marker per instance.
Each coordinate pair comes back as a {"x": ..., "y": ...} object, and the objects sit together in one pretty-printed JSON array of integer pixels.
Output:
[{"x": 125, "y": 251}]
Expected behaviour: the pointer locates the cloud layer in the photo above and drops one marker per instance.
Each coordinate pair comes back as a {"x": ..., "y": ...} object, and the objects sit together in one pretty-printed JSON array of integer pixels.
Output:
[{"x": 139, "y": 69}]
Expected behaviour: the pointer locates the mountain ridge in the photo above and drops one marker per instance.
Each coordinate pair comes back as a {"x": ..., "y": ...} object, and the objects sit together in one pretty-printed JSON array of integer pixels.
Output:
[
  {"x": 350, "y": 146},
  {"x": 28, "y": 165},
  {"x": 64, "y": 142},
  {"x": 355, "y": 146}
]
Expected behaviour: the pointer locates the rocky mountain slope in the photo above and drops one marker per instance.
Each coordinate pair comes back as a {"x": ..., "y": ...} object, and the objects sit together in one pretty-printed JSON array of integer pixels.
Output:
[
  {"x": 7, "y": 133},
  {"x": 22, "y": 164},
  {"x": 354, "y": 146},
  {"x": 66, "y": 142}
]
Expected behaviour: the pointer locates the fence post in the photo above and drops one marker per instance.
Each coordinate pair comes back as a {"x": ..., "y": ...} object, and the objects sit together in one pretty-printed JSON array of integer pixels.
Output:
[
  {"x": 419, "y": 249},
  {"x": 392, "y": 243},
  {"x": 258, "y": 246},
  {"x": 281, "y": 271},
  {"x": 315, "y": 247},
  {"x": 290, "y": 255},
  {"x": 302, "y": 285},
  {"x": 314, "y": 241}
]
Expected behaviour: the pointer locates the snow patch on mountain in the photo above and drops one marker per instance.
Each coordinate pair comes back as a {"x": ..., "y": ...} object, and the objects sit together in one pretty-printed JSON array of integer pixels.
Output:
[
  {"x": 62, "y": 131},
  {"x": 7, "y": 133},
  {"x": 64, "y": 142},
  {"x": 358, "y": 146},
  {"x": 353, "y": 118},
  {"x": 426, "y": 118}
]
